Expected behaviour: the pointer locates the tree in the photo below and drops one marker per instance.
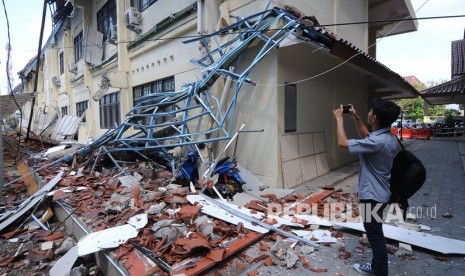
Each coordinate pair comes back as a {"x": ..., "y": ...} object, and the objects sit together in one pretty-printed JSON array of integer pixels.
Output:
[
  {"x": 449, "y": 116},
  {"x": 414, "y": 108}
]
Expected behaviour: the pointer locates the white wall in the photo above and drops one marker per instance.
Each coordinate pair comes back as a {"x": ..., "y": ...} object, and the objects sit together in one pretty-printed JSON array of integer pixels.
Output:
[
  {"x": 159, "y": 11},
  {"x": 257, "y": 106},
  {"x": 168, "y": 59},
  {"x": 317, "y": 97}
]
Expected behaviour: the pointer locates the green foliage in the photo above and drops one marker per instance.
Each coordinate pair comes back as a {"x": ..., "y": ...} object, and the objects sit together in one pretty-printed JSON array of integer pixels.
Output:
[
  {"x": 414, "y": 108},
  {"x": 449, "y": 116}
]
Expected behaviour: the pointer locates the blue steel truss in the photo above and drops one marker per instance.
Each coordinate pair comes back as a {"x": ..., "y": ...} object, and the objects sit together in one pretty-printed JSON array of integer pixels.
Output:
[{"x": 197, "y": 114}]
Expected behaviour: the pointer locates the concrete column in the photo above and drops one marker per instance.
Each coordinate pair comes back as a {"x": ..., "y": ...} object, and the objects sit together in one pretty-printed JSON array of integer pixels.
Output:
[
  {"x": 123, "y": 57},
  {"x": 2, "y": 179}
]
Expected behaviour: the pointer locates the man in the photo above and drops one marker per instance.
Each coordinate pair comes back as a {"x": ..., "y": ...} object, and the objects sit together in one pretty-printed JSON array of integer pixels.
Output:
[{"x": 376, "y": 151}]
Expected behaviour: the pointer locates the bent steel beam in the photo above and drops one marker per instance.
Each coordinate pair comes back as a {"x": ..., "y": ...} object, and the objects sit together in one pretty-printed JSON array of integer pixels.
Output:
[{"x": 193, "y": 115}]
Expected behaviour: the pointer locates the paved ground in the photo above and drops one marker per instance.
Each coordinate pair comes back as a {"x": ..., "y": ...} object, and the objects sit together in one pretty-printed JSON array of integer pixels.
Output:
[{"x": 443, "y": 193}]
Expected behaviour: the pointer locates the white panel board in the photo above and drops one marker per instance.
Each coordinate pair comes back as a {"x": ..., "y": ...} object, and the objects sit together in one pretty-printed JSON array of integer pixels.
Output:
[{"x": 420, "y": 239}]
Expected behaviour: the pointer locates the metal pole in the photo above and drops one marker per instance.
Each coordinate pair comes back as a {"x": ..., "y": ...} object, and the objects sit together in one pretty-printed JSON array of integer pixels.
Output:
[
  {"x": 2, "y": 179},
  {"x": 36, "y": 80},
  {"x": 401, "y": 124}
]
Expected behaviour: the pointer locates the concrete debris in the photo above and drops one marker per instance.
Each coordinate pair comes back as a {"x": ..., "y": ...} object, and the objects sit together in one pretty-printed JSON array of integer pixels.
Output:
[
  {"x": 65, "y": 246},
  {"x": 156, "y": 209},
  {"x": 46, "y": 246},
  {"x": 171, "y": 233},
  {"x": 161, "y": 223},
  {"x": 117, "y": 203},
  {"x": 184, "y": 231},
  {"x": 306, "y": 250},
  {"x": 282, "y": 254},
  {"x": 129, "y": 181},
  {"x": 78, "y": 271}
]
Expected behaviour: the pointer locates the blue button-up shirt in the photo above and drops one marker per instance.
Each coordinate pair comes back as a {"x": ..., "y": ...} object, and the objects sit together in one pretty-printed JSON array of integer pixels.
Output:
[{"x": 376, "y": 153}]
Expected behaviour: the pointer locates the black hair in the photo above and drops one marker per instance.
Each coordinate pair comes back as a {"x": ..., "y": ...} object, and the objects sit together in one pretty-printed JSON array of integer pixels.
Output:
[{"x": 386, "y": 111}]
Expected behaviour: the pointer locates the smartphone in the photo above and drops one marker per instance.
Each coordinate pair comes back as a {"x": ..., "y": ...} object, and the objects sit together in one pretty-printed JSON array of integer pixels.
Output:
[{"x": 346, "y": 108}]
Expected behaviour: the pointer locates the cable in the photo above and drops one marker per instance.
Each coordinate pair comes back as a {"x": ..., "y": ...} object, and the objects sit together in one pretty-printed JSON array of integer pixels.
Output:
[
  {"x": 273, "y": 29},
  {"x": 342, "y": 63},
  {"x": 9, "y": 79}
]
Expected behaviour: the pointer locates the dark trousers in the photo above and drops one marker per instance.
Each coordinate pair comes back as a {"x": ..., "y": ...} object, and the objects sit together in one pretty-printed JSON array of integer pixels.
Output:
[{"x": 374, "y": 229}]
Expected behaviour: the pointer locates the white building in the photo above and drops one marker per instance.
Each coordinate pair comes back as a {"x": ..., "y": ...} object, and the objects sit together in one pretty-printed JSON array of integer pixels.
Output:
[{"x": 104, "y": 55}]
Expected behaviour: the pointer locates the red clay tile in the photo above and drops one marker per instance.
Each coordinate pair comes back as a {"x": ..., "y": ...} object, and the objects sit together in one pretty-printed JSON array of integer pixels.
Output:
[
  {"x": 59, "y": 194},
  {"x": 18, "y": 264},
  {"x": 216, "y": 254},
  {"x": 6, "y": 261},
  {"x": 268, "y": 261},
  {"x": 318, "y": 269},
  {"x": 240, "y": 265},
  {"x": 189, "y": 211},
  {"x": 13, "y": 233},
  {"x": 197, "y": 243},
  {"x": 264, "y": 247},
  {"x": 54, "y": 236}
]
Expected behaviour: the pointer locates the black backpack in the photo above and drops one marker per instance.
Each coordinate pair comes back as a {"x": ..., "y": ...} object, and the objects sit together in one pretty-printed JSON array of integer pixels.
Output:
[{"x": 407, "y": 176}]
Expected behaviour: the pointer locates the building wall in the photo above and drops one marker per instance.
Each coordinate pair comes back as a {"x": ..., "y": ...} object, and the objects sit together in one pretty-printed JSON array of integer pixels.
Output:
[
  {"x": 319, "y": 91},
  {"x": 261, "y": 106}
]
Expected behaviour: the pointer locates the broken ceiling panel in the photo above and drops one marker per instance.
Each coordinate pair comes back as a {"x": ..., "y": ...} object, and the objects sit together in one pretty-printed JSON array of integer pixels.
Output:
[{"x": 420, "y": 239}]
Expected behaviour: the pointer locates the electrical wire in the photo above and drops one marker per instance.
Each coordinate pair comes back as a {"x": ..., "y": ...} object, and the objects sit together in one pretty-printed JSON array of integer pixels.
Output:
[
  {"x": 271, "y": 29},
  {"x": 8, "y": 77},
  {"x": 345, "y": 61}
]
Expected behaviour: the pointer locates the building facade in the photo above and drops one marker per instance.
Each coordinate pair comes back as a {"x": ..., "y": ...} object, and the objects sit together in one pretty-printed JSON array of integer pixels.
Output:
[{"x": 107, "y": 54}]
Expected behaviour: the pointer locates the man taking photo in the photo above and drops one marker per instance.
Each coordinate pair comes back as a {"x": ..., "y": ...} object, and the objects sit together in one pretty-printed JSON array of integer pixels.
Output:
[{"x": 376, "y": 151}]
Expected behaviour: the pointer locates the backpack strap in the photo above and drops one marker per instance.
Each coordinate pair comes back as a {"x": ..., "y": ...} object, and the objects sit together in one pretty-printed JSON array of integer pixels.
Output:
[
  {"x": 402, "y": 146},
  {"x": 400, "y": 143}
]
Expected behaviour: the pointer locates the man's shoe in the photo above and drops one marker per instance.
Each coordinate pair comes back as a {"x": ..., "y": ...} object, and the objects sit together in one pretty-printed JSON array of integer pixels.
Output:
[{"x": 364, "y": 269}]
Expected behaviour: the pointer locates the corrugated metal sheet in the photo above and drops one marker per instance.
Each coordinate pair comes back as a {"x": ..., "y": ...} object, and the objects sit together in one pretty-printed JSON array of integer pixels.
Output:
[
  {"x": 8, "y": 103},
  {"x": 66, "y": 128},
  {"x": 456, "y": 86},
  {"x": 458, "y": 58},
  {"x": 451, "y": 92}
]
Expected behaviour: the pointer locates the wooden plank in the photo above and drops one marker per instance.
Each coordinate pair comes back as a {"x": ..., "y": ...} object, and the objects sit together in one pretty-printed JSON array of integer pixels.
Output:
[
  {"x": 32, "y": 186},
  {"x": 200, "y": 266},
  {"x": 31, "y": 201},
  {"x": 420, "y": 239}
]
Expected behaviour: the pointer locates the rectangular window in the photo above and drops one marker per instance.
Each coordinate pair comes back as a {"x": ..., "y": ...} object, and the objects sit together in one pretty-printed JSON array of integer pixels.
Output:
[
  {"x": 159, "y": 86},
  {"x": 110, "y": 110},
  {"x": 290, "y": 108},
  {"x": 141, "y": 5},
  {"x": 64, "y": 111},
  {"x": 61, "y": 62},
  {"x": 78, "y": 47},
  {"x": 106, "y": 17},
  {"x": 81, "y": 107}
]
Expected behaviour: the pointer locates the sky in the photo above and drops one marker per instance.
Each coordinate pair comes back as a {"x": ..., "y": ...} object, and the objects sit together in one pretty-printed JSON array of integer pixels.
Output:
[
  {"x": 25, "y": 18},
  {"x": 425, "y": 53}
]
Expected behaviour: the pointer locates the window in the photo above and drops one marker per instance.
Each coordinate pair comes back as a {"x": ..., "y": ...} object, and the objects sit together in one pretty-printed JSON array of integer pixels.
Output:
[
  {"x": 61, "y": 63},
  {"x": 78, "y": 47},
  {"x": 290, "y": 108},
  {"x": 64, "y": 111},
  {"x": 159, "y": 86},
  {"x": 142, "y": 4},
  {"x": 109, "y": 110},
  {"x": 81, "y": 107},
  {"x": 106, "y": 17}
]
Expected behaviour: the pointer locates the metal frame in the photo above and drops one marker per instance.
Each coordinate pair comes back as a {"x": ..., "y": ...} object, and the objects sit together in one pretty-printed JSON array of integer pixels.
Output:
[{"x": 194, "y": 103}]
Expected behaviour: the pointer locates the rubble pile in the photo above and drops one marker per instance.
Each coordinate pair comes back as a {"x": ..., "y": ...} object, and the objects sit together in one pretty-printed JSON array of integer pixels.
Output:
[{"x": 173, "y": 228}]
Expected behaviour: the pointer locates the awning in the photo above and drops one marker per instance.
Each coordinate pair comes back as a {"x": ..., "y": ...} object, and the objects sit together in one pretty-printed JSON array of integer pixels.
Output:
[
  {"x": 8, "y": 103},
  {"x": 385, "y": 83},
  {"x": 451, "y": 92}
]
